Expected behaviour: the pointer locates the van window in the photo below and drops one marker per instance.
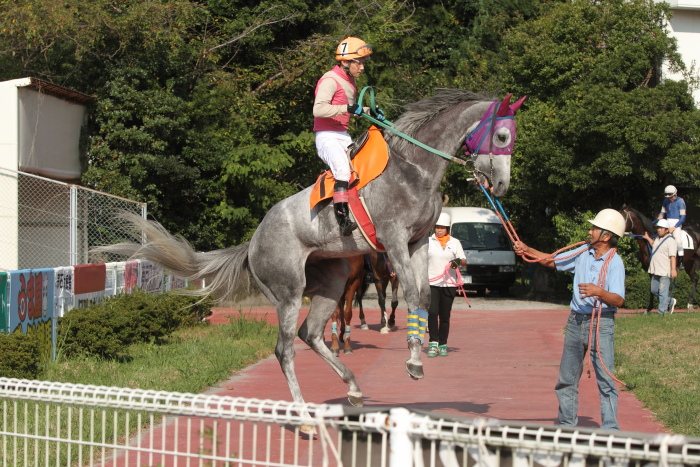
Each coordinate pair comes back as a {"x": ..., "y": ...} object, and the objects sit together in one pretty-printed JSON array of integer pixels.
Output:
[{"x": 481, "y": 236}]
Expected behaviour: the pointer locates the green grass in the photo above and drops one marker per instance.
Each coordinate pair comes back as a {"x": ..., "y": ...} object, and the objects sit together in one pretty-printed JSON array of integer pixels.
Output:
[
  {"x": 190, "y": 361},
  {"x": 658, "y": 356}
]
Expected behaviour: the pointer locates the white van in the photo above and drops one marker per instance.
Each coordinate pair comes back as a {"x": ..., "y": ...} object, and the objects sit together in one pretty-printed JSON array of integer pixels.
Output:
[{"x": 489, "y": 251}]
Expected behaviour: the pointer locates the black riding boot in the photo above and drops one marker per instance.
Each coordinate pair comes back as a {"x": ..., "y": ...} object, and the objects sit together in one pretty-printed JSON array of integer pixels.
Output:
[
  {"x": 342, "y": 215},
  {"x": 340, "y": 207}
]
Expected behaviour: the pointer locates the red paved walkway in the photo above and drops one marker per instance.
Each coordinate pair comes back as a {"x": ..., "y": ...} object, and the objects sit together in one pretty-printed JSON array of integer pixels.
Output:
[{"x": 502, "y": 364}]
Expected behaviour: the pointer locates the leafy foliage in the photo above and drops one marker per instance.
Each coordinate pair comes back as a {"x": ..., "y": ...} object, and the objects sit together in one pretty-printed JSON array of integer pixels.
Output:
[
  {"x": 107, "y": 329},
  {"x": 20, "y": 356},
  {"x": 203, "y": 109}
]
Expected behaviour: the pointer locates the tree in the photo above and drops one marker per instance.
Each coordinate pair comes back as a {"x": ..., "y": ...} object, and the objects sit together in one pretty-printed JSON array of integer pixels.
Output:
[{"x": 599, "y": 128}]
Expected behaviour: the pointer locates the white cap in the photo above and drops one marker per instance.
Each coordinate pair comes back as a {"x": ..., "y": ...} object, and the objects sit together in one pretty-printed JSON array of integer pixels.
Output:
[
  {"x": 610, "y": 220},
  {"x": 444, "y": 220},
  {"x": 663, "y": 223},
  {"x": 670, "y": 191}
]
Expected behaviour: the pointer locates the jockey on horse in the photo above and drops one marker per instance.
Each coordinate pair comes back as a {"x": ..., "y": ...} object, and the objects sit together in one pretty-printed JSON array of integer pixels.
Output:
[{"x": 334, "y": 104}]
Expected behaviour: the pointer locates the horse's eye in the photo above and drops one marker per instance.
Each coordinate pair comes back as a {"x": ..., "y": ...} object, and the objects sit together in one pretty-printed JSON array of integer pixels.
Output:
[{"x": 501, "y": 137}]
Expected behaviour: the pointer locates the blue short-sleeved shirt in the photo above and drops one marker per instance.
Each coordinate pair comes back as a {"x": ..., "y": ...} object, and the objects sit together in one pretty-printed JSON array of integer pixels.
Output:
[{"x": 586, "y": 269}]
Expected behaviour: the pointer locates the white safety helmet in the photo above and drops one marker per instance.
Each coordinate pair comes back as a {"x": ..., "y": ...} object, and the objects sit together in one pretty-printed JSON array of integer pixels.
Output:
[
  {"x": 610, "y": 220},
  {"x": 444, "y": 220},
  {"x": 670, "y": 191},
  {"x": 663, "y": 223}
]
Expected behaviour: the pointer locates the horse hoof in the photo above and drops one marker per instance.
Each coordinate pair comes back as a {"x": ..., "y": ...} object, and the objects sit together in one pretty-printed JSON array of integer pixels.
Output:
[
  {"x": 347, "y": 351},
  {"x": 355, "y": 399},
  {"x": 364, "y": 326},
  {"x": 335, "y": 352},
  {"x": 392, "y": 324},
  {"x": 415, "y": 371},
  {"x": 384, "y": 330},
  {"x": 308, "y": 429}
]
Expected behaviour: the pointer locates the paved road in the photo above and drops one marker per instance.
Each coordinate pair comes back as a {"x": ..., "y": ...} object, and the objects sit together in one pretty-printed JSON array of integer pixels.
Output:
[{"x": 503, "y": 362}]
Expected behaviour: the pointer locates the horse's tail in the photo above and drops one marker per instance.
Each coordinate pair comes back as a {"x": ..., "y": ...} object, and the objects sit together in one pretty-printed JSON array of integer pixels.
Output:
[{"x": 224, "y": 271}]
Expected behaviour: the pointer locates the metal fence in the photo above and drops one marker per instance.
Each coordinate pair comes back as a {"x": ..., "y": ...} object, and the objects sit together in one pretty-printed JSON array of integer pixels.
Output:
[
  {"x": 46, "y": 423},
  {"x": 47, "y": 223}
]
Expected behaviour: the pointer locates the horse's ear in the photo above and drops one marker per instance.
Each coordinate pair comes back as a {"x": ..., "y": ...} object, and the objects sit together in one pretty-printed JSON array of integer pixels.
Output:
[
  {"x": 517, "y": 104},
  {"x": 503, "y": 109}
]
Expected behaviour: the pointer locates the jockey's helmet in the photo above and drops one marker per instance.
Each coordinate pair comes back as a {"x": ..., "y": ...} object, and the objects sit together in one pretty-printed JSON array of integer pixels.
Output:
[
  {"x": 610, "y": 220},
  {"x": 352, "y": 48},
  {"x": 670, "y": 191}
]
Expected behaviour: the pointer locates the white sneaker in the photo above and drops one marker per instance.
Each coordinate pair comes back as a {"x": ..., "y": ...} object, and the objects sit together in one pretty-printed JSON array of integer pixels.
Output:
[{"x": 672, "y": 306}]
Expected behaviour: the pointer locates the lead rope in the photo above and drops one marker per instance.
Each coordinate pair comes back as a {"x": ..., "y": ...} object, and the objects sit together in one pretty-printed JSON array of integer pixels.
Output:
[
  {"x": 447, "y": 279},
  {"x": 597, "y": 314},
  {"x": 530, "y": 258},
  {"x": 513, "y": 235}
]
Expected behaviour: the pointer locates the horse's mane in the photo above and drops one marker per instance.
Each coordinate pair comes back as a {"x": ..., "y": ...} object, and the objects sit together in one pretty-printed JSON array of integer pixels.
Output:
[
  {"x": 648, "y": 226},
  {"x": 418, "y": 113}
]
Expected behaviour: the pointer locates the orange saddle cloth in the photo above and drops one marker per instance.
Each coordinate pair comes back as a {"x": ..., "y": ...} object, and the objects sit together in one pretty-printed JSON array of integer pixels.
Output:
[{"x": 369, "y": 163}]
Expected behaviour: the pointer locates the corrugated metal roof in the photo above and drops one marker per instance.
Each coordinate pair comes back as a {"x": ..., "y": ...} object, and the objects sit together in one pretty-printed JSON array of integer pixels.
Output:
[{"x": 60, "y": 91}]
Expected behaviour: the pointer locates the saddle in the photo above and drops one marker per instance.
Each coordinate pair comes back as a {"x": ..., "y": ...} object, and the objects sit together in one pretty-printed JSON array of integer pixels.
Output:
[
  {"x": 370, "y": 157},
  {"x": 370, "y": 160},
  {"x": 687, "y": 241}
]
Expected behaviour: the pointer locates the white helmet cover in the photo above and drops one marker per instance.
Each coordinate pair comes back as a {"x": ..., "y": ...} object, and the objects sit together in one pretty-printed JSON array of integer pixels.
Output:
[
  {"x": 663, "y": 223},
  {"x": 444, "y": 220},
  {"x": 610, "y": 220},
  {"x": 670, "y": 191}
]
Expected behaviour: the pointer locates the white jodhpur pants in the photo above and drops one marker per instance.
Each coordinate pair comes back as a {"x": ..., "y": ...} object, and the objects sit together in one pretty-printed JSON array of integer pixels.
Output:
[
  {"x": 331, "y": 147},
  {"x": 677, "y": 236}
]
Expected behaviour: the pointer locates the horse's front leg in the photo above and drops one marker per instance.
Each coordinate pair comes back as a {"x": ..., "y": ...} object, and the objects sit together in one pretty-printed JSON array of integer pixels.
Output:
[{"x": 411, "y": 266}]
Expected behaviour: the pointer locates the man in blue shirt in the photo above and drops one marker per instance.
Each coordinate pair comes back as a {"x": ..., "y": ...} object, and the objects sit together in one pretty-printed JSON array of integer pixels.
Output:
[
  {"x": 673, "y": 210},
  {"x": 599, "y": 289}
]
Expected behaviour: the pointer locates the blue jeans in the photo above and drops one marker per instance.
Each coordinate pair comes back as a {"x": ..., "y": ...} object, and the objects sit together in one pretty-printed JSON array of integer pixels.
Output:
[
  {"x": 571, "y": 368},
  {"x": 660, "y": 286}
]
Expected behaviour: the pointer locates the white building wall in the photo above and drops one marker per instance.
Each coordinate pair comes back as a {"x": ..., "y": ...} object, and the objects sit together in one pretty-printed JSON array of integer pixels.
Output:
[
  {"x": 9, "y": 150},
  {"x": 49, "y": 135},
  {"x": 684, "y": 26}
]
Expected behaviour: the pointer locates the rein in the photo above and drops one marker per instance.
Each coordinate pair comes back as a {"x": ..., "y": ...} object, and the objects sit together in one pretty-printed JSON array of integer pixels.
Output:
[{"x": 389, "y": 126}]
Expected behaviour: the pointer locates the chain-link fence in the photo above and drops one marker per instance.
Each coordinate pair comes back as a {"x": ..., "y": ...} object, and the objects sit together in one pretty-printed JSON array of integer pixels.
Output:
[{"x": 46, "y": 223}]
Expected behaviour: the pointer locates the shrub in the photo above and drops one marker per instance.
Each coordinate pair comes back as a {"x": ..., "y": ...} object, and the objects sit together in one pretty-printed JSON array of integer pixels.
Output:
[
  {"x": 20, "y": 356},
  {"x": 106, "y": 329}
]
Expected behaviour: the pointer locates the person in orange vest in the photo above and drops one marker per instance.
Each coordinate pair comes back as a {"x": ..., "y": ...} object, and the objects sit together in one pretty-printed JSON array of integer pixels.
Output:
[{"x": 334, "y": 104}]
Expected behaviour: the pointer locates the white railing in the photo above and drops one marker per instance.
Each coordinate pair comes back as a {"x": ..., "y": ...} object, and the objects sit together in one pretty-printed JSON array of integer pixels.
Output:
[{"x": 46, "y": 424}]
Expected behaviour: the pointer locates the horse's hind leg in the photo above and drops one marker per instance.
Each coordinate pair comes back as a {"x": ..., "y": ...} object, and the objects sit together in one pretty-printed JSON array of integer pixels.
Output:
[
  {"x": 381, "y": 300},
  {"x": 690, "y": 265},
  {"x": 394, "y": 302},
  {"x": 335, "y": 344},
  {"x": 325, "y": 283}
]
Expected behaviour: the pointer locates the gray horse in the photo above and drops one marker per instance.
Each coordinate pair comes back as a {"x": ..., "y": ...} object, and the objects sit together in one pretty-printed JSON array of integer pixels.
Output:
[{"x": 296, "y": 251}]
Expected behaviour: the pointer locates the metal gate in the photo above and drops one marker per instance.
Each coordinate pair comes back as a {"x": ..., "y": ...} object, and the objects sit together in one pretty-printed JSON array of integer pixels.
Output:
[{"x": 47, "y": 424}]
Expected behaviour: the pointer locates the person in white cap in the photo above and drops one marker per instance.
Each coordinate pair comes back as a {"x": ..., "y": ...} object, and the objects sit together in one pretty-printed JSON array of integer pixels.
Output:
[
  {"x": 599, "y": 281},
  {"x": 673, "y": 210},
  {"x": 662, "y": 265},
  {"x": 443, "y": 250}
]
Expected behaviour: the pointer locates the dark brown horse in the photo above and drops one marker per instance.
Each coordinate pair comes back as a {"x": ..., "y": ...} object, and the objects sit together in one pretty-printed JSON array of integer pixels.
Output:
[
  {"x": 637, "y": 223},
  {"x": 383, "y": 272},
  {"x": 355, "y": 287}
]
